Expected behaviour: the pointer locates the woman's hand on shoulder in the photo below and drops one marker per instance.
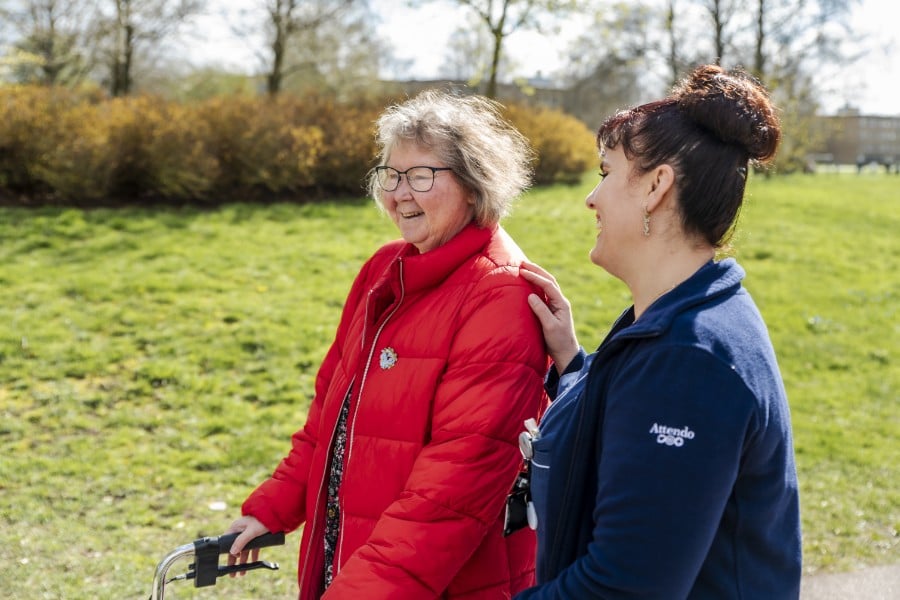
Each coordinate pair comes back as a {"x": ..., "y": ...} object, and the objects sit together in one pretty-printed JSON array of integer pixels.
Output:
[{"x": 555, "y": 314}]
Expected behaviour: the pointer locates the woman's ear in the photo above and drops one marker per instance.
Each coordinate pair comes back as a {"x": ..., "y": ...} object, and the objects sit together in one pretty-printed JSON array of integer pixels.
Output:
[{"x": 662, "y": 182}]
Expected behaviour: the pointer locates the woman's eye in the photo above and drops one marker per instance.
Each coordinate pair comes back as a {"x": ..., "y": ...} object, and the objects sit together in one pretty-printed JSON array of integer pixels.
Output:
[{"x": 602, "y": 175}]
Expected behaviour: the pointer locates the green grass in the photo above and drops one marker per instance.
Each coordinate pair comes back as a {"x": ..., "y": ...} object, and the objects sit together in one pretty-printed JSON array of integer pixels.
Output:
[{"x": 153, "y": 362}]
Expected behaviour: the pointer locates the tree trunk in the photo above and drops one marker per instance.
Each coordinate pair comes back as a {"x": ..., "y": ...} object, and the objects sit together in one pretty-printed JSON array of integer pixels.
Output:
[
  {"x": 759, "y": 58},
  {"x": 719, "y": 26},
  {"x": 491, "y": 91},
  {"x": 673, "y": 43},
  {"x": 276, "y": 75},
  {"x": 120, "y": 81}
]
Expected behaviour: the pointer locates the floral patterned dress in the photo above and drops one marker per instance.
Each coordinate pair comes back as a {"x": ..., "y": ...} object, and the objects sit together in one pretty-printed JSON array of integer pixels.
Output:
[{"x": 332, "y": 507}]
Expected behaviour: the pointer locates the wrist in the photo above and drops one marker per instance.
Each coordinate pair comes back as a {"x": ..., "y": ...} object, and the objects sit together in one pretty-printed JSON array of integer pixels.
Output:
[{"x": 562, "y": 360}]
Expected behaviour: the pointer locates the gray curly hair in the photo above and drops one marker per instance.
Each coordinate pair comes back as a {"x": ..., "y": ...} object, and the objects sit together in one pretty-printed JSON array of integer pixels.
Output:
[{"x": 487, "y": 154}]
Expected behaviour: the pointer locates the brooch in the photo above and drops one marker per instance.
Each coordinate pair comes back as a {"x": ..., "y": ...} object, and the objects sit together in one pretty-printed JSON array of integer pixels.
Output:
[{"x": 388, "y": 358}]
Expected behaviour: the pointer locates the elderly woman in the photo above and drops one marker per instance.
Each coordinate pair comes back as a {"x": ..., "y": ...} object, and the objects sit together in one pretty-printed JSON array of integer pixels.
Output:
[
  {"x": 401, "y": 471},
  {"x": 664, "y": 466}
]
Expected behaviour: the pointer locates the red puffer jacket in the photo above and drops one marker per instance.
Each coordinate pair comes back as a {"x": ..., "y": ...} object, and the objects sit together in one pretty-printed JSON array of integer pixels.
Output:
[{"x": 445, "y": 361}]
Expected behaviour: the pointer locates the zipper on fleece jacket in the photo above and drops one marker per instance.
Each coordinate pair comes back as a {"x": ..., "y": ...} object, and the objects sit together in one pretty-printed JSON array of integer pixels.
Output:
[
  {"x": 352, "y": 423},
  {"x": 304, "y": 570},
  {"x": 618, "y": 336}
]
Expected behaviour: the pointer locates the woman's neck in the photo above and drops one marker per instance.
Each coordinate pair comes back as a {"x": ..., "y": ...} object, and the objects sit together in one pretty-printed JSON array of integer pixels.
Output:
[{"x": 663, "y": 271}]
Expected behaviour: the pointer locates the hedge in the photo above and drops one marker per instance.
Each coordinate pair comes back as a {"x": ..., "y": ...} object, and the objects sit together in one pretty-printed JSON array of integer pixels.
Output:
[{"x": 61, "y": 147}]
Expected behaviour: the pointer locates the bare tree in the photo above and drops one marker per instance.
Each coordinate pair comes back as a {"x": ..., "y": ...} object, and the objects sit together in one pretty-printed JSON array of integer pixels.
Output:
[
  {"x": 502, "y": 18},
  {"x": 795, "y": 52},
  {"x": 464, "y": 57},
  {"x": 6, "y": 16},
  {"x": 51, "y": 44},
  {"x": 759, "y": 58},
  {"x": 307, "y": 40},
  {"x": 720, "y": 13},
  {"x": 765, "y": 36},
  {"x": 128, "y": 28},
  {"x": 791, "y": 46},
  {"x": 672, "y": 57},
  {"x": 792, "y": 36},
  {"x": 342, "y": 56},
  {"x": 287, "y": 18},
  {"x": 468, "y": 55},
  {"x": 610, "y": 62}
]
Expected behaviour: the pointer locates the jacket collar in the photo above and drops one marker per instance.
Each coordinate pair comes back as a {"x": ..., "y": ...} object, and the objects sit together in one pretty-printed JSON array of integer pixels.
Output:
[
  {"x": 710, "y": 281},
  {"x": 422, "y": 271}
]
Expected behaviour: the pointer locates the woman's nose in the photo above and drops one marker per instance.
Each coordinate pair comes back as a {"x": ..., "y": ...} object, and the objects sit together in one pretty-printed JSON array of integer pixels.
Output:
[
  {"x": 589, "y": 200},
  {"x": 403, "y": 188}
]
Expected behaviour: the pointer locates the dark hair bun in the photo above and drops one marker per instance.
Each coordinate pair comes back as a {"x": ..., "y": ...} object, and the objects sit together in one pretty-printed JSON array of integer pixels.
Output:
[{"x": 732, "y": 105}]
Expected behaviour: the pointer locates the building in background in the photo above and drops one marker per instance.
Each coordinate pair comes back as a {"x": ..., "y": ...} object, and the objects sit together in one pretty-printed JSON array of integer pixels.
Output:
[{"x": 850, "y": 138}]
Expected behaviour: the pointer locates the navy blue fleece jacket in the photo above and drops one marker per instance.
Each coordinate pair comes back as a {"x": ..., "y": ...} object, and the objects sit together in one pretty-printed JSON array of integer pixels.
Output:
[{"x": 665, "y": 467}]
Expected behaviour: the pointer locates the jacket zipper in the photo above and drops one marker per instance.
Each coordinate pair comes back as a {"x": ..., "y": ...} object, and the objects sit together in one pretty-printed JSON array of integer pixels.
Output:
[
  {"x": 605, "y": 349},
  {"x": 362, "y": 384}
]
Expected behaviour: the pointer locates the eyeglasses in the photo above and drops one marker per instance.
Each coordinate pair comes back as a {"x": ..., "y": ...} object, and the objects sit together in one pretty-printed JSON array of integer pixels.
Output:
[{"x": 420, "y": 179}]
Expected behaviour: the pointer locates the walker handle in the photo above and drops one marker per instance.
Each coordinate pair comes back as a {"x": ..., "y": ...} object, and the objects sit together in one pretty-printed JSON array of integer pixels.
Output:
[
  {"x": 205, "y": 568},
  {"x": 264, "y": 541},
  {"x": 208, "y": 549}
]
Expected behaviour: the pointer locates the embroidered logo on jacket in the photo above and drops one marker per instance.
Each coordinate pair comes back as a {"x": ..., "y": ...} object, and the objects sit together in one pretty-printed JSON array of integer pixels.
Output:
[
  {"x": 671, "y": 436},
  {"x": 387, "y": 358}
]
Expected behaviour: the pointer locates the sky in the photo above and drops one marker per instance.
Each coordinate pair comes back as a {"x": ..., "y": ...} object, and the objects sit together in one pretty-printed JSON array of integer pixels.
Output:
[
  {"x": 873, "y": 84},
  {"x": 419, "y": 37}
]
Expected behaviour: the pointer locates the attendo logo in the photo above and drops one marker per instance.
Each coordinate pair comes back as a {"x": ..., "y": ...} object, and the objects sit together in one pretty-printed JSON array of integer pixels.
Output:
[{"x": 671, "y": 436}]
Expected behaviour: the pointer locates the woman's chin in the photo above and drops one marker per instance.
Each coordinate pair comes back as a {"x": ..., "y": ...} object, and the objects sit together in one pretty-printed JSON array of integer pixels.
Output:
[{"x": 412, "y": 235}]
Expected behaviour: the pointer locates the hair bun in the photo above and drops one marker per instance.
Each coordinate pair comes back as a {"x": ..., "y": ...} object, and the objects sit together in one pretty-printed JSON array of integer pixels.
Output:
[{"x": 733, "y": 106}]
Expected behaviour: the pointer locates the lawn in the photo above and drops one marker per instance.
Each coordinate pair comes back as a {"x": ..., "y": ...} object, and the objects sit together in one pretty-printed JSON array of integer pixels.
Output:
[{"x": 154, "y": 363}]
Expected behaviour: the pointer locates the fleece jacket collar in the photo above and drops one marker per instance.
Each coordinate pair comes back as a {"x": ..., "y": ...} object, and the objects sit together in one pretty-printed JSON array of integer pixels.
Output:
[{"x": 709, "y": 281}]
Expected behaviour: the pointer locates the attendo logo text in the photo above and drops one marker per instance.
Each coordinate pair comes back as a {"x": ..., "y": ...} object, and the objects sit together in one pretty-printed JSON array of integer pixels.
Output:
[{"x": 671, "y": 436}]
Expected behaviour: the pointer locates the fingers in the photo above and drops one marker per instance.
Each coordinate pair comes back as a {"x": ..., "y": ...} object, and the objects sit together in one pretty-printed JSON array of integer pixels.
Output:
[
  {"x": 537, "y": 270},
  {"x": 243, "y": 559},
  {"x": 238, "y": 546},
  {"x": 250, "y": 528},
  {"x": 554, "y": 313},
  {"x": 543, "y": 312},
  {"x": 236, "y": 554},
  {"x": 556, "y": 303},
  {"x": 545, "y": 282},
  {"x": 539, "y": 277},
  {"x": 231, "y": 561}
]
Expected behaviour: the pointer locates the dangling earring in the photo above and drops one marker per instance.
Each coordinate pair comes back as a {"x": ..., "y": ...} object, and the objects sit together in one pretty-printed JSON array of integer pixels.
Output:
[{"x": 646, "y": 223}]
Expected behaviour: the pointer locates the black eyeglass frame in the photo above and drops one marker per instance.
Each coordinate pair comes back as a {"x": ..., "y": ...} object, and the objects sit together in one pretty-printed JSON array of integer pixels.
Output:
[{"x": 384, "y": 168}]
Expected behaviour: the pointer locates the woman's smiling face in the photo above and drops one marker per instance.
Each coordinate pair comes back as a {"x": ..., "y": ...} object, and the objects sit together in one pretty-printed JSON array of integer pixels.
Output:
[
  {"x": 427, "y": 219},
  {"x": 617, "y": 204}
]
